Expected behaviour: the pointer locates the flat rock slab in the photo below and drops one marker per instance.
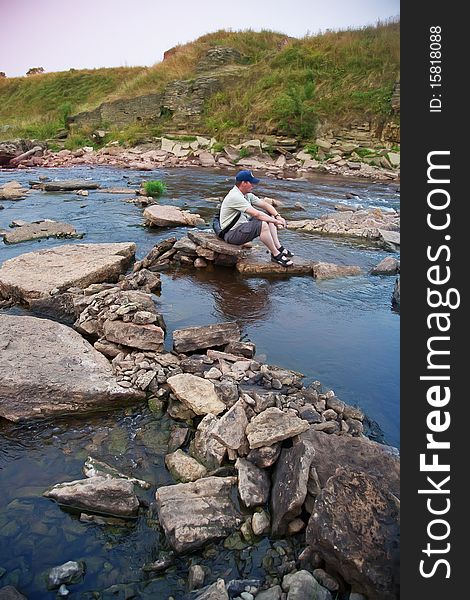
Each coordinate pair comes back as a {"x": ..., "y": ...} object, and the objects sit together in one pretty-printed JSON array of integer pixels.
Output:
[
  {"x": 205, "y": 336},
  {"x": 196, "y": 393},
  {"x": 69, "y": 185},
  {"x": 109, "y": 496},
  {"x": 364, "y": 223},
  {"x": 192, "y": 514},
  {"x": 212, "y": 242},
  {"x": 49, "y": 369},
  {"x": 167, "y": 216},
  {"x": 273, "y": 425},
  {"x": 390, "y": 239},
  {"x": 43, "y": 229},
  {"x": 260, "y": 263},
  {"x": 323, "y": 270},
  {"x": 35, "y": 274}
]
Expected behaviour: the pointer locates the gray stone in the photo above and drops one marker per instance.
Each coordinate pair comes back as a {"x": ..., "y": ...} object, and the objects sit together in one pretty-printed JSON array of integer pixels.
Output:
[
  {"x": 323, "y": 270},
  {"x": 326, "y": 580},
  {"x": 227, "y": 392},
  {"x": 49, "y": 369},
  {"x": 42, "y": 229},
  {"x": 143, "y": 337},
  {"x": 196, "y": 576},
  {"x": 290, "y": 478},
  {"x": 355, "y": 527},
  {"x": 274, "y": 593},
  {"x": 333, "y": 451},
  {"x": 160, "y": 215},
  {"x": 206, "y": 336},
  {"x": 193, "y": 513},
  {"x": 260, "y": 522},
  {"x": 204, "y": 447},
  {"x": 216, "y": 591},
  {"x": 210, "y": 241},
  {"x": 69, "y": 572},
  {"x": 196, "y": 393},
  {"x": 387, "y": 266},
  {"x": 253, "y": 483},
  {"x": 11, "y": 593},
  {"x": 302, "y": 585},
  {"x": 184, "y": 468},
  {"x": 273, "y": 425},
  {"x": 36, "y": 274},
  {"x": 230, "y": 429},
  {"x": 69, "y": 185},
  {"x": 390, "y": 240},
  {"x": 396, "y": 294},
  {"x": 265, "y": 456},
  {"x": 110, "y": 496}
]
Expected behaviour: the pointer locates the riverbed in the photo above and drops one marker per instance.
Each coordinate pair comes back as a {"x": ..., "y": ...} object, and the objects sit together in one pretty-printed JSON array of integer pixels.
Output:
[{"x": 341, "y": 332}]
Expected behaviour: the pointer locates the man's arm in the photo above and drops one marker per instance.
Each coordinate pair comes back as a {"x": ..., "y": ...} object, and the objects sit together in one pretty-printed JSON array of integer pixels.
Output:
[{"x": 272, "y": 217}]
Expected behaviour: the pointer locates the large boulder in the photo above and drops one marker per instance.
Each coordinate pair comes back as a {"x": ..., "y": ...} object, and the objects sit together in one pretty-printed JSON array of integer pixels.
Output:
[
  {"x": 36, "y": 274},
  {"x": 104, "y": 495},
  {"x": 359, "y": 454},
  {"x": 160, "y": 215},
  {"x": 49, "y": 369},
  {"x": 355, "y": 528},
  {"x": 192, "y": 514},
  {"x": 290, "y": 479}
]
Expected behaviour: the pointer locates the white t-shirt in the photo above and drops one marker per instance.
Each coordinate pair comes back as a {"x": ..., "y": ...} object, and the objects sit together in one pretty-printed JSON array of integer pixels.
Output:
[{"x": 235, "y": 202}]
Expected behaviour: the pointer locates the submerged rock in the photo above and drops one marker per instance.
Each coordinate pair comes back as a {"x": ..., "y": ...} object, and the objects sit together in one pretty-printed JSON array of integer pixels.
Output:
[
  {"x": 49, "y": 369},
  {"x": 193, "y": 513},
  {"x": 387, "y": 266},
  {"x": 109, "y": 496},
  {"x": 69, "y": 572},
  {"x": 41, "y": 229}
]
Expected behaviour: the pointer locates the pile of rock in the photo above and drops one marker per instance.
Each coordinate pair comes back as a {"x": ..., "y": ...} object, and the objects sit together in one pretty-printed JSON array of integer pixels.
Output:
[
  {"x": 202, "y": 248},
  {"x": 287, "y": 446},
  {"x": 119, "y": 317},
  {"x": 363, "y": 223},
  {"x": 275, "y": 156}
]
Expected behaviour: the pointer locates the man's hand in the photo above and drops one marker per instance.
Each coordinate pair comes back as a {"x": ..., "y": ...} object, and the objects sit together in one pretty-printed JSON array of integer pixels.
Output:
[{"x": 280, "y": 222}]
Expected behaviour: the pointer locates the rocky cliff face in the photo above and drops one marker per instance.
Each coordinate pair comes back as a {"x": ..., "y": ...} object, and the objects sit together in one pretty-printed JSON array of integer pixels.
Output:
[{"x": 182, "y": 100}]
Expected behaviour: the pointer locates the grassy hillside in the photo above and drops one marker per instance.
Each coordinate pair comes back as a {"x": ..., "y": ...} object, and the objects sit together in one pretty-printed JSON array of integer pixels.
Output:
[
  {"x": 290, "y": 86},
  {"x": 37, "y": 105}
]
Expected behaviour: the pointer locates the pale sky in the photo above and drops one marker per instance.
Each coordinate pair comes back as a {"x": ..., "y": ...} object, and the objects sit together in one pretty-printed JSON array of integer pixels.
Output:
[{"x": 63, "y": 34}]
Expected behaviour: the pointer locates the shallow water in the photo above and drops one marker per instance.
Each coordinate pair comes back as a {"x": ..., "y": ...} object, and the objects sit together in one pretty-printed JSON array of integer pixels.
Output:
[{"x": 341, "y": 332}]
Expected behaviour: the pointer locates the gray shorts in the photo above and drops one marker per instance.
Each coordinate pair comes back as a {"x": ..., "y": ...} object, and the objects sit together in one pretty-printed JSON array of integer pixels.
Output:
[{"x": 243, "y": 233}]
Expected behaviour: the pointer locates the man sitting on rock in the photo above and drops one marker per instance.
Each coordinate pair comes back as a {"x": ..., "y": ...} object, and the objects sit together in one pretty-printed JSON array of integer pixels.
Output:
[{"x": 251, "y": 222}]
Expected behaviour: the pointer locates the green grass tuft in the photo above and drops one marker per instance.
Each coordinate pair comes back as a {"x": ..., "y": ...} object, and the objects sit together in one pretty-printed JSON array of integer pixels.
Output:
[{"x": 155, "y": 188}]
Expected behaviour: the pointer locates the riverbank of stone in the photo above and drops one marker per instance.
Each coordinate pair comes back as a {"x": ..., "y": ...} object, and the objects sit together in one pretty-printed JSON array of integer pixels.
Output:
[{"x": 283, "y": 161}]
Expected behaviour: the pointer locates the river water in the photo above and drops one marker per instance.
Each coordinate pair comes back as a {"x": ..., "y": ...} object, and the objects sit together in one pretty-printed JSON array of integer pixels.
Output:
[{"x": 341, "y": 332}]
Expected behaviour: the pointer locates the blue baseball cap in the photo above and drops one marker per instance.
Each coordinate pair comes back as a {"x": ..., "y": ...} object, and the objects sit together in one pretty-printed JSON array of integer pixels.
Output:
[{"x": 246, "y": 176}]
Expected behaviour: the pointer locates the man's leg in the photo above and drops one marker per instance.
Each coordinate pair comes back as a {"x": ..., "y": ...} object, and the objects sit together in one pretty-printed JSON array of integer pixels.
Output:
[
  {"x": 266, "y": 237},
  {"x": 273, "y": 230}
]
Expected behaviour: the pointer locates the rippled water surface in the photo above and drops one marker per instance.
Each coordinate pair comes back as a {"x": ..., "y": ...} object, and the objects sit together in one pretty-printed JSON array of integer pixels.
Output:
[{"x": 341, "y": 332}]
